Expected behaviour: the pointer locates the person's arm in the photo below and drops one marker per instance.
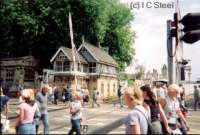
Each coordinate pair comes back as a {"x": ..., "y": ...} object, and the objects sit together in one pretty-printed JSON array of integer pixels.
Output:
[
  {"x": 73, "y": 110},
  {"x": 164, "y": 118},
  {"x": 135, "y": 129},
  {"x": 180, "y": 114},
  {"x": 38, "y": 98},
  {"x": 6, "y": 109},
  {"x": 20, "y": 116}
]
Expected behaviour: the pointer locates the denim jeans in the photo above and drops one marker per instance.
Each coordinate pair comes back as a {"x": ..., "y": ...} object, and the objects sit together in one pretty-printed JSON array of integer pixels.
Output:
[
  {"x": 45, "y": 121},
  {"x": 28, "y": 128},
  {"x": 76, "y": 127}
]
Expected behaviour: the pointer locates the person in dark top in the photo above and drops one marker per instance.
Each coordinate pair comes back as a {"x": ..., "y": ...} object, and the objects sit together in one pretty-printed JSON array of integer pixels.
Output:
[
  {"x": 155, "y": 110},
  {"x": 120, "y": 94},
  {"x": 4, "y": 109},
  {"x": 68, "y": 94},
  {"x": 56, "y": 92}
]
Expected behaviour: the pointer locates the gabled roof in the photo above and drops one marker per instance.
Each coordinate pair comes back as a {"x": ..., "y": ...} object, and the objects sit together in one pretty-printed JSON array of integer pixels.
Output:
[
  {"x": 25, "y": 58},
  {"x": 100, "y": 55},
  {"x": 68, "y": 53}
]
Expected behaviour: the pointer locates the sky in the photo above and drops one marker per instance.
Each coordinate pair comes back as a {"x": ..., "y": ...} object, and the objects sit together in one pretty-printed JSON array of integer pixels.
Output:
[{"x": 150, "y": 27}]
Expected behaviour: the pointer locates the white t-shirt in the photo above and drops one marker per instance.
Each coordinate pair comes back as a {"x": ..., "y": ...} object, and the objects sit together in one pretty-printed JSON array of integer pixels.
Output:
[
  {"x": 76, "y": 105},
  {"x": 136, "y": 117},
  {"x": 50, "y": 90}
]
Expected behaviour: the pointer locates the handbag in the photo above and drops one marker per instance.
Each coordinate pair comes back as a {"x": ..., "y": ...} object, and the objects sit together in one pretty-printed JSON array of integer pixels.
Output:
[
  {"x": 176, "y": 131},
  {"x": 5, "y": 123}
]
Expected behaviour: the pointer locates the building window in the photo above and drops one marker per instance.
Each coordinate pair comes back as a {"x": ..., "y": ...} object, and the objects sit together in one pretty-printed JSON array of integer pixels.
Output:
[
  {"x": 66, "y": 65},
  {"x": 108, "y": 69},
  {"x": 108, "y": 88},
  {"x": 114, "y": 88},
  {"x": 10, "y": 74},
  {"x": 58, "y": 65},
  {"x": 85, "y": 68},
  {"x": 29, "y": 74},
  {"x": 102, "y": 88},
  {"x": 79, "y": 67},
  {"x": 92, "y": 67}
]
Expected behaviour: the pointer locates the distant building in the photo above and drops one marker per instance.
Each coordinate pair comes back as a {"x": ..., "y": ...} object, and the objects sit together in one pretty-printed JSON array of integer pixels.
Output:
[
  {"x": 95, "y": 69},
  {"x": 151, "y": 76},
  {"x": 164, "y": 71},
  {"x": 18, "y": 71}
]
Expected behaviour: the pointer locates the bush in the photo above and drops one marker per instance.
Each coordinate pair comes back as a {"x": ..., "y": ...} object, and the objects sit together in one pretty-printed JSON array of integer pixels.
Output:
[{"x": 110, "y": 99}]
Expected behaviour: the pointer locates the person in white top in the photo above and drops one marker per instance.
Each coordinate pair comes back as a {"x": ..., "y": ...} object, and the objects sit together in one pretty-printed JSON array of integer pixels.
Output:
[
  {"x": 136, "y": 121},
  {"x": 76, "y": 115},
  {"x": 171, "y": 107}
]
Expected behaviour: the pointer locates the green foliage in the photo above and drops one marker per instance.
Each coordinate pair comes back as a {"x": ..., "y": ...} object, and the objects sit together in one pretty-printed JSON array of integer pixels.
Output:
[
  {"x": 40, "y": 27},
  {"x": 130, "y": 82}
]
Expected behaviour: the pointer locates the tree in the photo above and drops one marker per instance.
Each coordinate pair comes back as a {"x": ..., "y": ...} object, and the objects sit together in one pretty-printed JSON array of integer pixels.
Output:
[{"x": 40, "y": 27}]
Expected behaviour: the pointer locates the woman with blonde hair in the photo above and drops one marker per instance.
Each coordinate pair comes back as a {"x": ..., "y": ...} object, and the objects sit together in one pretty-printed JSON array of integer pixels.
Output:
[
  {"x": 171, "y": 108},
  {"x": 136, "y": 121},
  {"x": 25, "y": 123},
  {"x": 75, "y": 111}
]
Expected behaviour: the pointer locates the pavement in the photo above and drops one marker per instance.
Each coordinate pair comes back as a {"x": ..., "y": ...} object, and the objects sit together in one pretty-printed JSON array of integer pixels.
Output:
[
  {"x": 99, "y": 120},
  {"x": 104, "y": 120}
]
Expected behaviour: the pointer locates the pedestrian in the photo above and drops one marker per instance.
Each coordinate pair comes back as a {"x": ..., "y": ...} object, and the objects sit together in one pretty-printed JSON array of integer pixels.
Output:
[
  {"x": 37, "y": 115},
  {"x": 172, "y": 109},
  {"x": 56, "y": 92},
  {"x": 42, "y": 98},
  {"x": 157, "y": 114},
  {"x": 120, "y": 96},
  {"x": 161, "y": 90},
  {"x": 82, "y": 95},
  {"x": 86, "y": 97},
  {"x": 50, "y": 93},
  {"x": 95, "y": 98},
  {"x": 196, "y": 97},
  {"x": 76, "y": 115},
  {"x": 184, "y": 111},
  {"x": 136, "y": 121},
  {"x": 4, "y": 125},
  {"x": 19, "y": 89},
  {"x": 63, "y": 95},
  {"x": 25, "y": 122}
]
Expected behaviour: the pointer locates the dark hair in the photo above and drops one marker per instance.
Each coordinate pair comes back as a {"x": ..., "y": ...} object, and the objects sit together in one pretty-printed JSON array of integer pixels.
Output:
[{"x": 150, "y": 94}]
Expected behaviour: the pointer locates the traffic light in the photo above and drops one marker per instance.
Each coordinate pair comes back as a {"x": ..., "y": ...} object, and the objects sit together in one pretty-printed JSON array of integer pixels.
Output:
[
  {"x": 191, "y": 22},
  {"x": 182, "y": 73}
]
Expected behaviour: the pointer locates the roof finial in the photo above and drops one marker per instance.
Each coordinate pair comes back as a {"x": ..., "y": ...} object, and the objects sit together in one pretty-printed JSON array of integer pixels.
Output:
[{"x": 83, "y": 40}]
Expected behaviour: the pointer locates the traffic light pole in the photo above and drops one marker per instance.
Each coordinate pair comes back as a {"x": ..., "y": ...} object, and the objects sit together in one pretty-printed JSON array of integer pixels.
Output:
[{"x": 171, "y": 71}]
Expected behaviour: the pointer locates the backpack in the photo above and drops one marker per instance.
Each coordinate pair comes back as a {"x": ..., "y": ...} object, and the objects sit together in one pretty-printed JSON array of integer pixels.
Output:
[{"x": 149, "y": 125}]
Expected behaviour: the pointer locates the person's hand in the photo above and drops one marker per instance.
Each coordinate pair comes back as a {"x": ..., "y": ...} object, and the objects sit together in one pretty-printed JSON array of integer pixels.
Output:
[
  {"x": 188, "y": 127},
  {"x": 169, "y": 130}
]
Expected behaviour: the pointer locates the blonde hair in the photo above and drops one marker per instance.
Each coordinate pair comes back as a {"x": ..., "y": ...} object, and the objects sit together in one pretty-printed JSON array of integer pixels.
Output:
[
  {"x": 76, "y": 95},
  {"x": 45, "y": 86},
  {"x": 173, "y": 88},
  {"x": 28, "y": 95},
  {"x": 135, "y": 94}
]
